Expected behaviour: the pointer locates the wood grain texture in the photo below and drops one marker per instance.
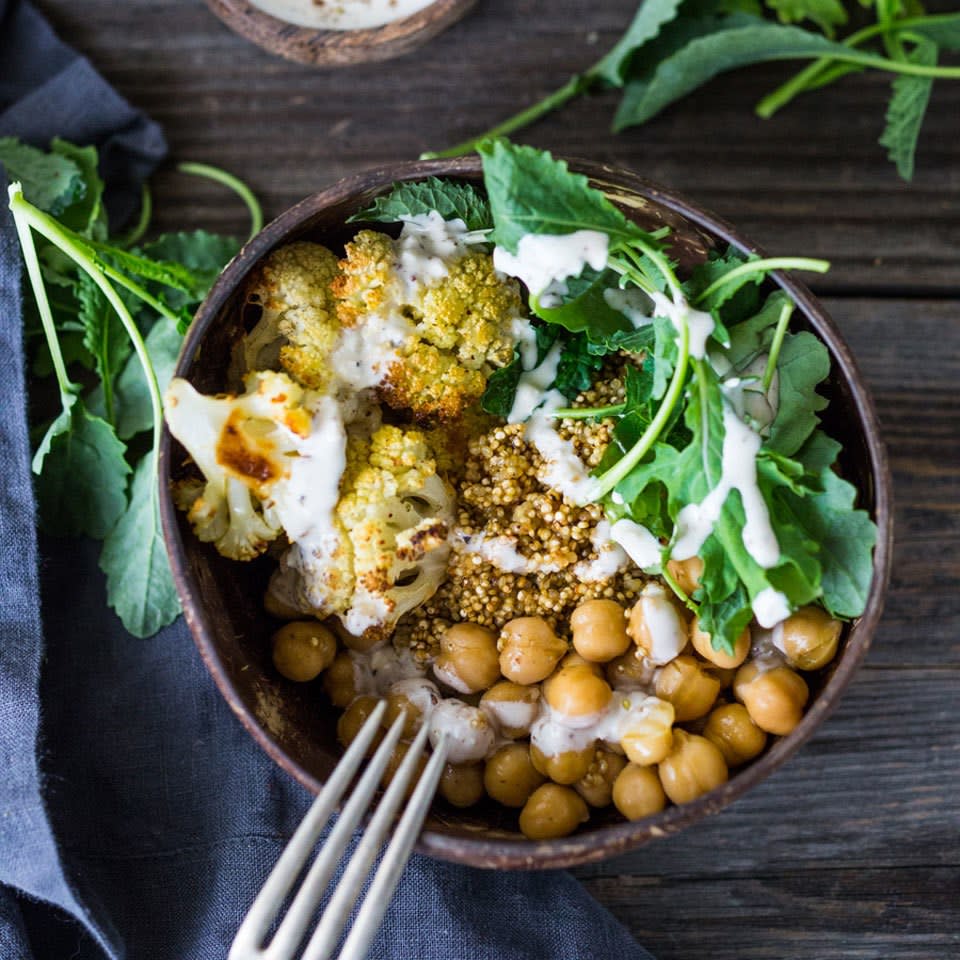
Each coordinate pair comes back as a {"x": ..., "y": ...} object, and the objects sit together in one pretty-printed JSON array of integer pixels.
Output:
[{"x": 852, "y": 850}]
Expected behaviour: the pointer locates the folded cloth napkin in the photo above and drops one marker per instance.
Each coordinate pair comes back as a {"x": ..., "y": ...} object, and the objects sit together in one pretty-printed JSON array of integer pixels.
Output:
[{"x": 137, "y": 818}]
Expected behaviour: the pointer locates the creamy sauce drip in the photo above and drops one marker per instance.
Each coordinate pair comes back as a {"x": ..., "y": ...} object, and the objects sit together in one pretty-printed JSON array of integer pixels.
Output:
[
  {"x": 610, "y": 559},
  {"x": 641, "y": 545},
  {"x": 695, "y": 521},
  {"x": 544, "y": 261},
  {"x": 699, "y": 324},
  {"x": 533, "y": 384},
  {"x": 501, "y": 552},
  {"x": 341, "y": 14},
  {"x": 771, "y": 607},
  {"x": 562, "y": 469},
  {"x": 668, "y": 632}
]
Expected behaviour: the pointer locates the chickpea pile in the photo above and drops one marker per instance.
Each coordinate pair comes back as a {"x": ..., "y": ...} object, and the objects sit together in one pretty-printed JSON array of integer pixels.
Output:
[{"x": 636, "y": 709}]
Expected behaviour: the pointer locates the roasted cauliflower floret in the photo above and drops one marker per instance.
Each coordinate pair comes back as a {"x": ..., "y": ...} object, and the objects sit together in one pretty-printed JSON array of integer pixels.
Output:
[
  {"x": 241, "y": 445},
  {"x": 393, "y": 514},
  {"x": 447, "y": 310},
  {"x": 298, "y": 327}
]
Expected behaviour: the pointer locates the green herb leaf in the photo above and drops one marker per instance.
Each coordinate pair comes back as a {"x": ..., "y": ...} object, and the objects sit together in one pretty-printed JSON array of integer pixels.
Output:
[
  {"x": 50, "y": 181},
  {"x": 586, "y": 308},
  {"x": 706, "y": 56},
  {"x": 646, "y": 24},
  {"x": 943, "y": 30},
  {"x": 59, "y": 426},
  {"x": 905, "y": 113},
  {"x": 82, "y": 484},
  {"x": 203, "y": 254},
  {"x": 86, "y": 215},
  {"x": 104, "y": 336},
  {"x": 169, "y": 273},
  {"x": 804, "y": 362},
  {"x": 578, "y": 367},
  {"x": 530, "y": 192},
  {"x": 139, "y": 582},
  {"x": 826, "y": 14},
  {"x": 452, "y": 200}
]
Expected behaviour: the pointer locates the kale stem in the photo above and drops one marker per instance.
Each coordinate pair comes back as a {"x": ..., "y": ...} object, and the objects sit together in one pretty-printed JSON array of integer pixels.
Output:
[
  {"x": 783, "y": 320},
  {"x": 68, "y": 388},
  {"x": 659, "y": 261},
  {"x": 780, "y": 97},
  {"x": 577, "y": 84},
  {"x": 585, "y": 413},
  {"x": 59, "y": 237},
  {"x": 138, "y": 291},
  {"x": 143, "y": 221},
  {"x": 607, "y": 481},
  {"x": 761, "y": 266},
  {"x": 234, "y": 183}
]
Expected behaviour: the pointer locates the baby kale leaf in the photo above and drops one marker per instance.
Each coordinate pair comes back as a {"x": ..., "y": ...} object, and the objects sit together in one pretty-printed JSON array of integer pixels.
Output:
[{"x": 451, "y": 199}]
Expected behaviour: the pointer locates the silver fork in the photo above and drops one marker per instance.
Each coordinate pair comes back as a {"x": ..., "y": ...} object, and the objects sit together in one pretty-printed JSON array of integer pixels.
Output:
[{"x": 249, "y": 941}]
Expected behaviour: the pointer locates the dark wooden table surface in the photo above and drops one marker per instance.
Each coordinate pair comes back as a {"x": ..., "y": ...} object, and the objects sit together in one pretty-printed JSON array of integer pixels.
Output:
[{"x": 853, "y": 849}]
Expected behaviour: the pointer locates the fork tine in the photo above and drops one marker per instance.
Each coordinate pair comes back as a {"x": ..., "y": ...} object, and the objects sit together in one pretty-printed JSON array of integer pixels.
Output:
[
  {"x": 395, "y": 859},
  {"x": 337, "y": 911},
  {"x": 293, "y": 926},
  {"x": 248, "y": 942}
]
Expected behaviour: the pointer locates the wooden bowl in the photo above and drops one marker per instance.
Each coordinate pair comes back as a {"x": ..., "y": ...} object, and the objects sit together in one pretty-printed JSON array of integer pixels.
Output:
[
  {"x": 295, "y": 724},
  {"x": 338, "y": 48}
]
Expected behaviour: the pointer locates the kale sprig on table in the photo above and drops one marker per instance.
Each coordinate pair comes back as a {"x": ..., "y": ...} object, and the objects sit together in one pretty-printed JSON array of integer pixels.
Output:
[
  {"x": 103, "y": 330},
  {"x": 672, "y": 47}
]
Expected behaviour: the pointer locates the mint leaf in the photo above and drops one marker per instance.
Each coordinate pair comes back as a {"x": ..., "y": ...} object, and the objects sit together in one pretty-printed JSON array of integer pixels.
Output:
[
  {"x": 51, "y": 182},
  {"x": 906, "y": 110},
  {"x": 82, "y": 484},
  {"x": 646, "y": 24},
  {"x": 803, "y": 363},
  {"x": 452, "y": 200},
  {"x": 531, "y": 192},
  {"x": 139, "y": 582},
  {"x": 826, "y": 14},
  {"x": 706, "y": 56}
]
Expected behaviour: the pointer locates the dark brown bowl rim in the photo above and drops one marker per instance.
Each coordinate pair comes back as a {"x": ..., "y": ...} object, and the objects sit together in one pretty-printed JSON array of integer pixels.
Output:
[
  {"x": 337, "y": 48},
  {"x": 610, "y": 840}
]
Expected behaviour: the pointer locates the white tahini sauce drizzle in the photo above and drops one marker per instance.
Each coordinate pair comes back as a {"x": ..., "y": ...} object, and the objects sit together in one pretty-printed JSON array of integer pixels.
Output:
[
  {"x": 770, "y": 607},
  {"x": 739, "y": 472},
  {"x": 341, "y": 14},
  {"x": 668, "y": 632},
  {"x": 517, "y": 716},
  {"x": 501, "y": 552},
  {"x": 533, "y": 384},
  {"x": 428, "y": 245},
  {"x": 562, "y": 469},
  {"x": 543, "y": 261},
  {"x": 633, "y": 303},
  {"x": 468, "y": 731},
  {"x": 610, "y": 558},
  {"x": 641, "y": 545},
  {"x": 699, "y": 324}
]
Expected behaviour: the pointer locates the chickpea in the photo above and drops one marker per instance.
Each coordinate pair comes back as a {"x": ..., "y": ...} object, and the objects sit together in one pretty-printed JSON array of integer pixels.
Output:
[
  {"x": 510, "y": 776},
  {"x": 552, "y": 811},
  {"x": 632, "y": 671},
  {"x": 565, "y": 768},
  {"x": 512, "y": 707},
  {"x": 703, "y": 644},
  {"x": 302, "y": 650},
  {"x": 729, "y": 727},
  {"x": 599, "y": 630},
  {"x": 596, "y": 785},
  {"x": 467, "y": 730},
  {"x": 646, "y": 731},
  {"x": 577, "y": 692},
  {"x": 340, "y": 680},
  {"x": 529, "y": 650},
  {"x": 809, "y": 638},
  {"x": 694, "y": 767},
  {"x": 688, "y": 685},
  {"x": 637, "y": 792},
  {"x": 774, "y": 698},
  {"x": 573, "y": 659},
  {"x": 412, "y": 713},
  {"x": 724, "y": 675},
  {"x": 687, "y": 573},
  {"x": 468, "y": 661},
  {"x": 656, "y": 625},
  {"x": 353, "y": 718},
  {"x": 393, "y": 765},
  {"x": 462, "y": 784}
]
